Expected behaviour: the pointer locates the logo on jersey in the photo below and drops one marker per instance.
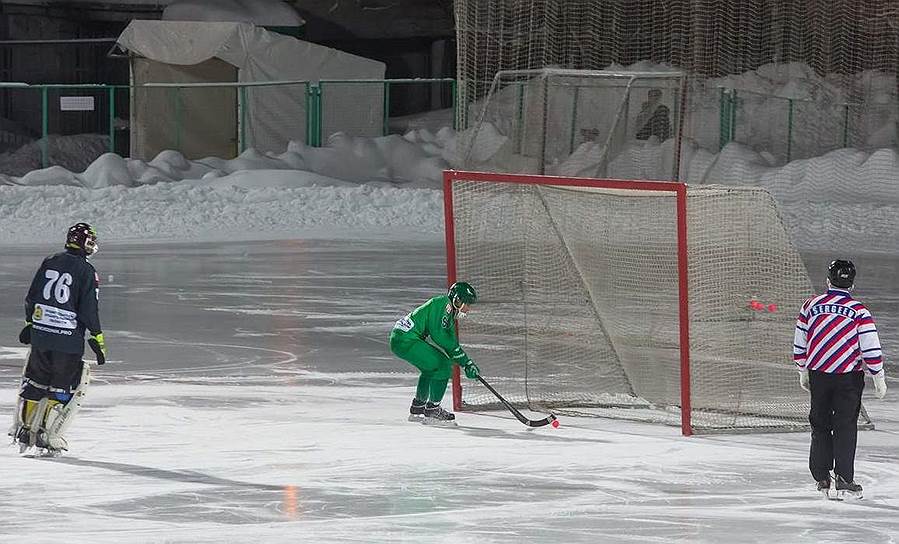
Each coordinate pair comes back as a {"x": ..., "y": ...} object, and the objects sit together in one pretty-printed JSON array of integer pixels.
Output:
[
  {"x": 405, "y": 324},
  {"x": 54, "y": 317},
  {"x": 832, "y": 309}
]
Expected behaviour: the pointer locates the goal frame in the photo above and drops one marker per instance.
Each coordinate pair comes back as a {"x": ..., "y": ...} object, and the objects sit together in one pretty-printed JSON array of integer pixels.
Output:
[{"x": 680, "y": 191}]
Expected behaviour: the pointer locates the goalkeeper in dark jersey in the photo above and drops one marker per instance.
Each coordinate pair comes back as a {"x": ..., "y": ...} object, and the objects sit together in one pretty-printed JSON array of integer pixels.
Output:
[
  {"x": 60, "y": 307},
  {"x": 426, "y": 338}
]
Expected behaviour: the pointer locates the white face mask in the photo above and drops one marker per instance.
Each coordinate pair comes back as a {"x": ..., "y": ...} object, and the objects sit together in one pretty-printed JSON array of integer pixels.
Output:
[{"x": 461, "y": 310}]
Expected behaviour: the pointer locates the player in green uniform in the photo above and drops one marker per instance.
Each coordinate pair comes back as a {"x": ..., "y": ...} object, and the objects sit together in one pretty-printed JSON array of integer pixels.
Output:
[{"x": 426, "y": 338}]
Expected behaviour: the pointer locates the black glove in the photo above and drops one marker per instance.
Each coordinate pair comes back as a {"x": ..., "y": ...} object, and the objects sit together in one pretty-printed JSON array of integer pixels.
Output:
[{"x": 25, "y": 335}]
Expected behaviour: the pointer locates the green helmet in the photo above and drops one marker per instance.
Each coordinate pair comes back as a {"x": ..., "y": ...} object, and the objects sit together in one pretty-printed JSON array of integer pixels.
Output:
[{"x": 463, "y": 292}]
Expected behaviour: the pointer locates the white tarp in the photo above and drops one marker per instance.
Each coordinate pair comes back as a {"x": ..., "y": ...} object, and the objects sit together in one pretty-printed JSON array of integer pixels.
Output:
[
  {"x": 259, "y": 12},
  {"x": 274, "y": 115}
]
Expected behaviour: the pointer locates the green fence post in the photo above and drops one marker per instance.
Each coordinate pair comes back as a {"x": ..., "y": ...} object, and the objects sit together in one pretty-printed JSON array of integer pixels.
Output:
[
  {"x": 308, "y": 91},
  {"x": 242, "y": 105},
  {"x": 453, "y": 95},
  {"x": 789, "y": 128},
  {"x": 385, "y": 130},
  {"x": 45, "y": 127},
  {"x": 316, "y": 109},
  {"x": 111, "y": 90}
]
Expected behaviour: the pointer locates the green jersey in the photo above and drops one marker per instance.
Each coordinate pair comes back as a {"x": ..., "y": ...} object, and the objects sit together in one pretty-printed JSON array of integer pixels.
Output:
[{"x": 435, "y": 319}]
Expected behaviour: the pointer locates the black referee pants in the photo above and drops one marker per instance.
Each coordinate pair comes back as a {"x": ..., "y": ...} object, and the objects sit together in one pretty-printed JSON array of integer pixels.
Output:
[{"x": 836, "y": 401}]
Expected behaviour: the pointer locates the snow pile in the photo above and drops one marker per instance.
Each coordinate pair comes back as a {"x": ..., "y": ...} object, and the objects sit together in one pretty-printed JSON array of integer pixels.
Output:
[
  {"x": 253, "y": 207},
  {"x": 845, "y": 200},
  {"x": 71, "y": 152},
  {"x": 416, "y": 160},
  {"x": 821, "y": 107}
]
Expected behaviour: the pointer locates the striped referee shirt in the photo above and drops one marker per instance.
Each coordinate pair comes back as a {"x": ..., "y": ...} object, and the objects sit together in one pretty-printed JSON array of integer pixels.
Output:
[{"x": 836, "y": 334}]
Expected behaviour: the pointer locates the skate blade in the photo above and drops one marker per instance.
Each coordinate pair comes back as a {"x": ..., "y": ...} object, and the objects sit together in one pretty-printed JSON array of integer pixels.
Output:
[
  {"x": 848, "y": 496},
  {"x": 37, "y": 453},
  {"x": 414, "y": 418},
  {"x": 438, "y": 422}
]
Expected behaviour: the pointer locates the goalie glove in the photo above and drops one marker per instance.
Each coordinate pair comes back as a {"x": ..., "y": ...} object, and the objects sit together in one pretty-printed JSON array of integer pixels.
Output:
[
  {"x": 471, "y": 370},
  {"x": 803, "y": 380},
  {"x": 25, "y": 335},
  {"x": 98, "y": 346},
  {"x": 880, "y": 384}
]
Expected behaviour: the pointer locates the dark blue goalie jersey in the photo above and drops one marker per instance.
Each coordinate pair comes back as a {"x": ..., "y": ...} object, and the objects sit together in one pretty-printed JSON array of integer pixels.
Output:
[{"x": 63, "y": 302}]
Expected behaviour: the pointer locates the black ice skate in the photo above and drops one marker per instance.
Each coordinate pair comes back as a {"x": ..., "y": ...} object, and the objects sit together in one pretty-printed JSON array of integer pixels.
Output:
[
  {"x": 848, "y": 490},
  {"x": 436, "y": 415},
  {"x": 824, "y": 487},
  {"x": 22, "y": 438},
  {"x": 417, "y": 410}
]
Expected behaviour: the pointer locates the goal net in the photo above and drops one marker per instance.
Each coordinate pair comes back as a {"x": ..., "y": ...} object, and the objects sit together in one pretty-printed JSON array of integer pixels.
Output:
[
  {"x": 575, "y": 122},
  {"x": 640, "y": 300}
]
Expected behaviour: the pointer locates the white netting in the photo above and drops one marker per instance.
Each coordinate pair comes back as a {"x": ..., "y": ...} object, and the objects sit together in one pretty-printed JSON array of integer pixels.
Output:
[
  {"x": 572, "y": 122},
  {"x": 767, "y": 83},
  {"x": 578, "y": 302},
  {"x": 841, "y": 39}
]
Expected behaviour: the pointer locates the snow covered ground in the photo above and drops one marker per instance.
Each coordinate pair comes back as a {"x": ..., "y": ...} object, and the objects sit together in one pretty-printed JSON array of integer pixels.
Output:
[{"x": 250, "y": 397}]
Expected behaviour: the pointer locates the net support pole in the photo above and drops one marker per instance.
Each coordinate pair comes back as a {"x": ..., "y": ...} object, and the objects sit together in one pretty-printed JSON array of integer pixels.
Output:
[
  {"x": 683, "y": 310},
  {"x": 450, "y": 236}
]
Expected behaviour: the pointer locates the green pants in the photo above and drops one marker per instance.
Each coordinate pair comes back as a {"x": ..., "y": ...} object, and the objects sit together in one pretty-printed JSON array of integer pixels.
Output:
[{"x": 433, "y": 363}]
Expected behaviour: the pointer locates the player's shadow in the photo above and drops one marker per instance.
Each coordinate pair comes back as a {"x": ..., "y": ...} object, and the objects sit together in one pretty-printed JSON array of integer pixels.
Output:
[{"x": 187, "y": 476}]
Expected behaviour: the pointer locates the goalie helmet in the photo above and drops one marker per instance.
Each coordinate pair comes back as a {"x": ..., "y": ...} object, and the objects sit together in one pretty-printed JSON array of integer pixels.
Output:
[
  {"x": 463, "y": 293},
  {"x": 841, "y": 274},
  {"x": 82, "y": 236}
]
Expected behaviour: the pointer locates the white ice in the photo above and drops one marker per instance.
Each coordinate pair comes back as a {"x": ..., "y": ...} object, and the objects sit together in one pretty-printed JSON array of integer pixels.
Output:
[{"x": 250, "y": 397}]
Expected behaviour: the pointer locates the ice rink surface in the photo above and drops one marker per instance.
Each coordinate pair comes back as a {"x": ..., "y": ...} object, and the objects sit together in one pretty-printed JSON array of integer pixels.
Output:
[{"x": 250, "y": 397}]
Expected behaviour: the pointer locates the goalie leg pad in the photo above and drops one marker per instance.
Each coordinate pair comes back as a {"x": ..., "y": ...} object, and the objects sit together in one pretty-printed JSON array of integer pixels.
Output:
[
  {"x": 18, "y": 418},
  {"x": 34, "y": 414},
  {"x": 60, "y": 415}
]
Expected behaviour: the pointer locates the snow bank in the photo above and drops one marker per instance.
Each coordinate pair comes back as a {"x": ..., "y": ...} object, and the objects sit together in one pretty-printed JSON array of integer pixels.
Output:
[
  {"x": 846, "y": 200},
  {"x": 249, "y": 208}
]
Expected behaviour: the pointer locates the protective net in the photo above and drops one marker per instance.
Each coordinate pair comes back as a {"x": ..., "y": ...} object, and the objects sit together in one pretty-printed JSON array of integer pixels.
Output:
[
  {"x": 790, "y": 79},
  {"x": 579, "y": 301}
]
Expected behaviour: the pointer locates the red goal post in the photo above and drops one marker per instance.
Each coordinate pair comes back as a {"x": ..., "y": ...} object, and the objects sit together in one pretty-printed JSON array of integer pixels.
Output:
[{"x": 590, "y": 291}]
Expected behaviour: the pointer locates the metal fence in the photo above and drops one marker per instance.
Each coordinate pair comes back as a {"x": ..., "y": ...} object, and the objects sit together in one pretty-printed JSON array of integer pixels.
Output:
[
  {"x": 71, "y": 125},
  {"x": 792, "y": 128}
]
